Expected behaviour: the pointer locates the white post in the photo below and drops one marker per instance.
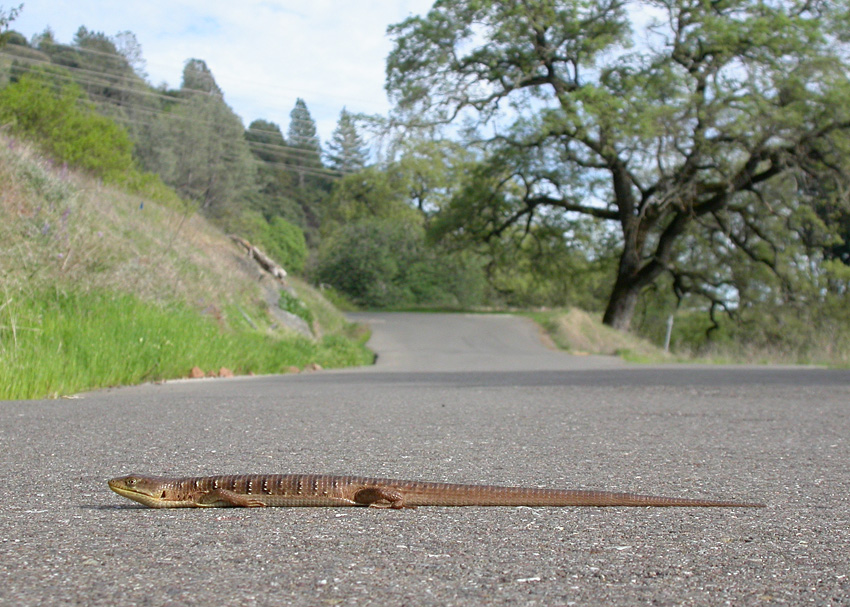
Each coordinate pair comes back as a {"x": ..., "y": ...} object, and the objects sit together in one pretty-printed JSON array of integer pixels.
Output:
[{"x": 669, "y": 333}]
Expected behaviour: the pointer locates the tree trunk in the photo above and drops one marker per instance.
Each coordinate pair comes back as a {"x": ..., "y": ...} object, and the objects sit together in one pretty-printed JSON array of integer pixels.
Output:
[
  {"x": 621, "y": 304},
  {"x": 632, "y": 278}
]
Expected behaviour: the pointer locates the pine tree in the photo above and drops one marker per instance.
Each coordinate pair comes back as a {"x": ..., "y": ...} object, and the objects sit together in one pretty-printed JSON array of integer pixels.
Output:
[
  {"x": 347, "y": 153},
  {"x": 304, "y": 158},
  {"x": 303, "y": 136}
]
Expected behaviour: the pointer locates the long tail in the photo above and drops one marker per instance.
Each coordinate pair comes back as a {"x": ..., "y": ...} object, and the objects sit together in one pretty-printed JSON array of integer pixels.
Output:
[{"x": 447, "y": 494}]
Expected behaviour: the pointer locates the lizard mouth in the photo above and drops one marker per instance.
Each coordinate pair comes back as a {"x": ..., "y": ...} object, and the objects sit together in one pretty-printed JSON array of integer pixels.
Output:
[{"x": 133, "y": 494}]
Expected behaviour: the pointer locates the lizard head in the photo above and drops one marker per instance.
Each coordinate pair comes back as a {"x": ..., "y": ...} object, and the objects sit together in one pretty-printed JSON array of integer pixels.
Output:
[{"x": 147, "y": 490}]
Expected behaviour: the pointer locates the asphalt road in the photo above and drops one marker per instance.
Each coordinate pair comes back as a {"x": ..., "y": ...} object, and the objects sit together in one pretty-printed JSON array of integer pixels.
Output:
[{"x": 457, "y": 398}]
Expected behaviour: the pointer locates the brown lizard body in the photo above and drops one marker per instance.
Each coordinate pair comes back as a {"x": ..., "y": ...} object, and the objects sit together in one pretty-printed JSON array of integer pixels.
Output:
[{"x": 257, "y": 490}]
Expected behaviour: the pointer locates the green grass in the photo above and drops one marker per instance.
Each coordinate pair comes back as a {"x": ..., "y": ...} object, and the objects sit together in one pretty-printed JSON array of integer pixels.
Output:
[{"x": 55, "y": 343}]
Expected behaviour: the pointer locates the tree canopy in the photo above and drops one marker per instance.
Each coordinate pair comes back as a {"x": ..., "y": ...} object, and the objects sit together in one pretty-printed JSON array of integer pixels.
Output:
[
  {"x": 198, "y": 144},
  {"x": 670, "y": 120},
  {"x": 6, "y": 17}
]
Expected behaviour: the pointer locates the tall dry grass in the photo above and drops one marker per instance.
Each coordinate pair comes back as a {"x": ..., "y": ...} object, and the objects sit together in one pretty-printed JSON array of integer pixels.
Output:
[{"x": 63, "y": 229}]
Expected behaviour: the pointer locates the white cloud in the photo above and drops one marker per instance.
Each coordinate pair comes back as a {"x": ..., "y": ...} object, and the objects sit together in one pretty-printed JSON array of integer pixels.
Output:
[{"x": 263, "y": 53}]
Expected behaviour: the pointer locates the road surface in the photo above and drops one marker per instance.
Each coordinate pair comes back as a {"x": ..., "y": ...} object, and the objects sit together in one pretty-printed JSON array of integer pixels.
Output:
[{"x": 465, "y": 398}]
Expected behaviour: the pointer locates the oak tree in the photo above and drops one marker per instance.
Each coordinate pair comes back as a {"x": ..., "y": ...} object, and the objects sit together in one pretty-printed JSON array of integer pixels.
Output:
[{"x": 665, "y": 119}]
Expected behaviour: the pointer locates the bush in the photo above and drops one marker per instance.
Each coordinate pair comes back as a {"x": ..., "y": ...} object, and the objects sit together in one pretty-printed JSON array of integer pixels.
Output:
[
  {"x": 60, "y": 119},
  {"x": 385, "y": 263},
  {"x": 290, "y": 303},
  {"x": 287, "y": 240},
  {"x": 279, "y": 239}
]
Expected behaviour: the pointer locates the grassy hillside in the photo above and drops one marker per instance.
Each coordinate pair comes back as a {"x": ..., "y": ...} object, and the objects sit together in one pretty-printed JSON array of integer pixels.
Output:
[
  {"x": 581, "y": 333},
  {"x": 100, "y": 288}
]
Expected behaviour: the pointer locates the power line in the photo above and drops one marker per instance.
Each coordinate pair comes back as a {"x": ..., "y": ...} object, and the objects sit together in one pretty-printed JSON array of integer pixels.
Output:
[
  {"x": 96, "y": 78},
  {"x": 284, "y": 151},
  {"x": 84, "y": 78}
]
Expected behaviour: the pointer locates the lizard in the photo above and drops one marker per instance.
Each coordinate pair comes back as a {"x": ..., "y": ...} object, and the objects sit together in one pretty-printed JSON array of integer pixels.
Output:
[{"x": 259, "y": 490}]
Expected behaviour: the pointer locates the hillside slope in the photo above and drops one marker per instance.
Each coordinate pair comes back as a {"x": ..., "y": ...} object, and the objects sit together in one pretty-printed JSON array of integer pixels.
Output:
[{"x": 75, "y": 253}]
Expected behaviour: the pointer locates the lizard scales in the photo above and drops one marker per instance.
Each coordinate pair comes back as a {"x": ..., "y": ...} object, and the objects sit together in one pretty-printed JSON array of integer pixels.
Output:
[{"x": 258, "y": 490}]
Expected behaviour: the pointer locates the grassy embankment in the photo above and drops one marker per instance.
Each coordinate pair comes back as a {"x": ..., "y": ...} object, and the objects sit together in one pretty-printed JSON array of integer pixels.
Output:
[
  {"x": 581, "y": 333},
  {"x": 578, "y": 332},
  {"x": 102, "y": 288}
]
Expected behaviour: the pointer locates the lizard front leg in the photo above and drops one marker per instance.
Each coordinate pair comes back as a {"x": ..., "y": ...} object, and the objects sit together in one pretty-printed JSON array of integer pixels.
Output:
[{"x": 224, "y": 498}]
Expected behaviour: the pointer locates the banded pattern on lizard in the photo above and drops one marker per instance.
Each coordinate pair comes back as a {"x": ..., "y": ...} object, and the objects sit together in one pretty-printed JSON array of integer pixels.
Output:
[{"x": 258, "y": 490}]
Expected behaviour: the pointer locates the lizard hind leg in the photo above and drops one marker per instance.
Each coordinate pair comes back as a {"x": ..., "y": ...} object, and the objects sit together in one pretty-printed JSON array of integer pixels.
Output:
[{"x": 380, "y": 497}]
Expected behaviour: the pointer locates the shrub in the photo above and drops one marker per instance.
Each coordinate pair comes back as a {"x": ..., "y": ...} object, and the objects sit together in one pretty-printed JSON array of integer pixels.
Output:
[
  {"x": 386, "y": 263},
  {"x": 60, "y": 119},
  {"x": 290, "y": 303},
  {"x": 279, "y": 239},
  {"x": 287, "y": 241}
]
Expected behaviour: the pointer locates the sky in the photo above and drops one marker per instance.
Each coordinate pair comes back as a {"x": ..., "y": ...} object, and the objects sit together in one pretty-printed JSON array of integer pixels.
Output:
[{"x": 264, "y": 54}]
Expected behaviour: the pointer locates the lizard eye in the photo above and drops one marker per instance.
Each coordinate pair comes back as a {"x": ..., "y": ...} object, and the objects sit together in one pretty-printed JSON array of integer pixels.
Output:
[{"x": 131, "y": 480}]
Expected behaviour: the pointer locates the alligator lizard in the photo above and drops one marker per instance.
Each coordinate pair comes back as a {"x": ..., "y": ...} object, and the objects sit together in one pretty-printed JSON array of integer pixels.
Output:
[{"x": 257, "y": 490}]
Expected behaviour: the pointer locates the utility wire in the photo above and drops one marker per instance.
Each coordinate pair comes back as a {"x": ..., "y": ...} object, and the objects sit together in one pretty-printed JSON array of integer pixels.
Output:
[{"x": 99, "y": 81}]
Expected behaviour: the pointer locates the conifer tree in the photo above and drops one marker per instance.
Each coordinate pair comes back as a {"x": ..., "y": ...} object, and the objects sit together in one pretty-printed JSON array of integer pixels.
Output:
[
  {"x": 305, "y": 158},
  {"x": 347, "y": 153}
]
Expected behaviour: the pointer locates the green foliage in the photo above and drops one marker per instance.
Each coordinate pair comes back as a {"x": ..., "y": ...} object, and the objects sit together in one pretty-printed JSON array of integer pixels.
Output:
[
  {"x": 63, "y": 123},
  {"x": 364, "y": 260},
  {"x": 291, "y": 182},
  {"x": 290, "y": 303},
  {"x": 385, "y": 263},
  {"x": 59, "y": 343},
  {"x": 5, "y": 19},
  {"x": 554, "y": 261},
  {"x": 688, "y": 139},
  {"x": 279, "y": 239},
  {"x": 303, "y": 161},
  {"x": 303, "y": 134},
  {"x": 67, "y": 126},
  {"x": 266, "y": 139},
  {"x": 428, "y": 171},
  {"x": 199, "y": 149},
  {"x": 303, "y": 137},
  {"x": 197, "y": 77},
  {"x": 552, "y": 265},
  {"x": 104, "y": 71},
  {"x": 275, "y": 183},
  {"x": 288, "y": 242},
  {"x": 369, "y": 194}
]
